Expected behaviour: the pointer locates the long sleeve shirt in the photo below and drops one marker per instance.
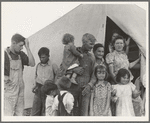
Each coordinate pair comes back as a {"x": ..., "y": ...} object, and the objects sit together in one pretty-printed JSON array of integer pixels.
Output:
[
  {"x": 68, "y": 101},
  {"x": 87, "y": 62}
]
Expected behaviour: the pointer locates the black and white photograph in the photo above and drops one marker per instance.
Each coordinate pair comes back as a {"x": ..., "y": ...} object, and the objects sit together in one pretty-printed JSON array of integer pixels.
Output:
[{"x": 83, "y": 61}]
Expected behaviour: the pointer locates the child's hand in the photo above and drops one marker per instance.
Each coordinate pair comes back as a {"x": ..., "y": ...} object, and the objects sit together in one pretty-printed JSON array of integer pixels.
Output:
[
  {"x": 34, "y": 89},
  {"x": 114, "y": 99},
  {"x": 113, "y": 93},
  {"x": 136, "y": 93},
  {"x": 81, "y": 55}
]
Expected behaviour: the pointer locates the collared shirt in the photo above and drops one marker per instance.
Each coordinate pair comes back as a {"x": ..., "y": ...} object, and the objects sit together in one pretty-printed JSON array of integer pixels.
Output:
[
  {"x": 68, "y": 101},
  {"x": 45, "y": 72},
  {"x": 118, "y": 59},
  {"x": 87, "y": 62},
  {"x": 24, "y": 60}
]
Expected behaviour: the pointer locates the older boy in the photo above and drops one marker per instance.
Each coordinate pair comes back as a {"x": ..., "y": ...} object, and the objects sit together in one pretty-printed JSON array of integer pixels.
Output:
[
  {"x": 15, "y": 59},
  {"x": 45, "y": 70}
]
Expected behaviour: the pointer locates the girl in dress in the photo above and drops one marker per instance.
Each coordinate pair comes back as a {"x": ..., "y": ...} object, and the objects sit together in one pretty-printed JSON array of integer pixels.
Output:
[
  {"x": 101, "y": 94},
  {"x": 125, "y": 90}
]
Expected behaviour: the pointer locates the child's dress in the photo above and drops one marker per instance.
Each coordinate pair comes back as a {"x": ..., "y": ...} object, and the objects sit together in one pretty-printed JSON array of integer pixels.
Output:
[
  {"x": 124, "y": 105},
  {"x": 101, "y": 91}
]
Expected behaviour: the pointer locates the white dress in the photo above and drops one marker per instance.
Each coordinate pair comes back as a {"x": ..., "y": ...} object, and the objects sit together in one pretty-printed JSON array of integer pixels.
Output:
[{"x": 124, "y": 106}]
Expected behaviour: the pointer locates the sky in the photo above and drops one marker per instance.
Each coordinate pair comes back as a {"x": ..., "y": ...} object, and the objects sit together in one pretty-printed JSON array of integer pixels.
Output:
[{"x": 27, "y": 18}]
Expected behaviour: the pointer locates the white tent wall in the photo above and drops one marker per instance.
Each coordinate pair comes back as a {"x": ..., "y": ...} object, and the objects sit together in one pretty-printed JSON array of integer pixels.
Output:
[
  {"x": 83, "y": 19},
  {"x": 132, "y": 20}
]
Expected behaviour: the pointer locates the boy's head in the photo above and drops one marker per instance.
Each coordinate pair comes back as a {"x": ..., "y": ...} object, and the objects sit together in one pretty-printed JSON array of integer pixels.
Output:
[
  {"x": 123, "y": 76},
  {"x": 49, "y": 88},
  {"x": 44, "y": 55},
  {"x": 88, "y": 41},
  {"x": 98, "y": 51},
  {"x": 67, "y": 38},
  {"x": 64, "y": 83},
  {"x": 17, "y": 42}
]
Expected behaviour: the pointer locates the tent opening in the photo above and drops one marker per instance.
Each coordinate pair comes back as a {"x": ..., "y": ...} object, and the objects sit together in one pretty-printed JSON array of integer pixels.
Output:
[{"x": 133, "y": 53}]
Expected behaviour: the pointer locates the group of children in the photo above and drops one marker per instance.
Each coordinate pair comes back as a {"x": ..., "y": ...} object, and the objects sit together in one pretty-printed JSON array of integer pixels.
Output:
[{"x": 55, "y": 85}]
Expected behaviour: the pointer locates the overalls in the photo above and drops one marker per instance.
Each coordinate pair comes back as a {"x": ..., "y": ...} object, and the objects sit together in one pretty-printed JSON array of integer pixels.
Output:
[{"x": 14, "y": 89}]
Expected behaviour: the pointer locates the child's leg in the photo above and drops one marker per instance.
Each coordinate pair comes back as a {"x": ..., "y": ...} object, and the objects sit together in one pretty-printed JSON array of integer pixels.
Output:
[{"x": 74, "y": 75}]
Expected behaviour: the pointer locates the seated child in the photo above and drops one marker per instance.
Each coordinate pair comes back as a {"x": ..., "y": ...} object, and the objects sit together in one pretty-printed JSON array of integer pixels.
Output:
[
  {"x": 125, "y": 90},
  {"x": 51, "y": 90},
  {"x": 68, "y": 99},
  {"x": 70, "y": 56}
]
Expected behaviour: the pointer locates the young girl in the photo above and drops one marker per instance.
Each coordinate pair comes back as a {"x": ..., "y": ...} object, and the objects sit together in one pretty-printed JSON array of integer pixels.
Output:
[
  {"x": 70, "y": 56},
  {"x": 101, "y": 94},
  {"x": 51, "y": 90},
  {"x": 125, "y": 90}
]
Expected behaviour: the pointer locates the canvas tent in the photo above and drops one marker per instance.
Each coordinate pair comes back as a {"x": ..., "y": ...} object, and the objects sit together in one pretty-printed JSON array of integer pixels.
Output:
[{"x": 89, "y": 18}]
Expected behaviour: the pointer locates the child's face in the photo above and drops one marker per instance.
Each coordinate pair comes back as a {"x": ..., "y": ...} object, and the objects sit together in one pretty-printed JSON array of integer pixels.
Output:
[
  {"x": 54, "y": 92},
  {"x": 99, "y": 53},
  {"x": 44, "y": 58},
  {"x": 124, "y": 80},
  {"x": 101, "y": 74}
]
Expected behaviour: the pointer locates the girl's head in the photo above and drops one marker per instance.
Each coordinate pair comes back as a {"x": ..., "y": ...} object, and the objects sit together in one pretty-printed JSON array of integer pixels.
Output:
[
  {"x": 44, "y": 55},
  {"x": 119, "y": 43},
  {"x": 49, "y": 88},
  {"x": 98, "y": 51},
  {"x": 67, "y": 38},
  {"x": 123, "y": 76},
  {"x": 100, "y": 72}
]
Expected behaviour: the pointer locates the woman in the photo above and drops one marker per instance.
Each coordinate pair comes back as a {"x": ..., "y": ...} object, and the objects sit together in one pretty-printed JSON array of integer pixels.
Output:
[
  {"x": 117, "y": 60},
  {"x": 116, "y": 33}
]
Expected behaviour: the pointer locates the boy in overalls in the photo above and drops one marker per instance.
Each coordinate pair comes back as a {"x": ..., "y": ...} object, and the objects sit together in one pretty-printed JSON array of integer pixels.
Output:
[{"x": 15, "y": 59}]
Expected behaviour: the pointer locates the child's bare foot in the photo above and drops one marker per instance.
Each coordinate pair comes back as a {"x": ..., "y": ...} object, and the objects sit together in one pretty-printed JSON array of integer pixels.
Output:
[{"x": 73, "y": 80}]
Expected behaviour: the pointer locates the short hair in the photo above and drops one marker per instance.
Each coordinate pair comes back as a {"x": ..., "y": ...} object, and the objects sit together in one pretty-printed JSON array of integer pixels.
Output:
[
  {"x": 18, "y": 38},
  {"x": 67, "y": 38},
  {"x": 116, "y": 31},
  {"x": 48, "y": 86},
  {"x": 121, "y": 73},
  {"x": 101, "y": 67},
  {"x": 96, "y": 46},
  {"x": 116, "y": 38},
  {"x": 88, "y": 36},
  {"x": 64, "y": 82},
  {"x": 43, "y": 50}
]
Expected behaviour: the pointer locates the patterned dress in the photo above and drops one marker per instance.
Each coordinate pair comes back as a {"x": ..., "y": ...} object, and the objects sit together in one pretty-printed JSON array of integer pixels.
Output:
[
  {"x": 101, "y": 90},
  {"x": 119, "y": 60}
]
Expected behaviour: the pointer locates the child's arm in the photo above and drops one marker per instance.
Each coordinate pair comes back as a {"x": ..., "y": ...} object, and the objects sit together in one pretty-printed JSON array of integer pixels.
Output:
[
  {"x": 136, "y": 93},
  {"x": 49, "y": 104},
  {"x": 55, "y": 70},
  {"x": 75, "y": 52},
  {"x": 91, "y": 103},
  {"x": 108, "y": 102},
  {"x": 127, "y": 45}
]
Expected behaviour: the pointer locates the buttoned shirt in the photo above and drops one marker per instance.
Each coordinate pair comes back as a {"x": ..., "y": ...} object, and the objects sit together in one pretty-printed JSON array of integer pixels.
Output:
[
  {"x": 87, "y": 62},
  {"x": 45, "y": 72}
]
